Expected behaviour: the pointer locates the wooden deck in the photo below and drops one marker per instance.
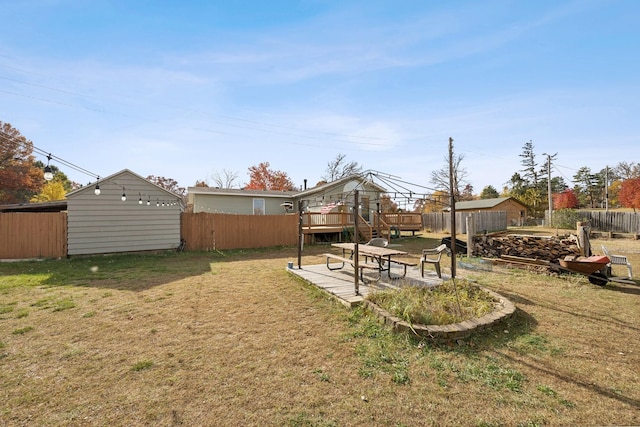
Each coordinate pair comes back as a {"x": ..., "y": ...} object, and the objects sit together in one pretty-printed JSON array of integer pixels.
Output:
[{"x": 340, "y": 283}]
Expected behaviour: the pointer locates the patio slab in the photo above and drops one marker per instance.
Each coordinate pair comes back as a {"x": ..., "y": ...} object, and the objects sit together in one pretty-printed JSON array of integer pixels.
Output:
[{"x": 340, "y": 283}]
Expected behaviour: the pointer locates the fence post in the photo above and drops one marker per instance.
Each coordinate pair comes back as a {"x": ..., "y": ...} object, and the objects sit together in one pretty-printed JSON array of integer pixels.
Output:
[{"x": 471, "y": 231}]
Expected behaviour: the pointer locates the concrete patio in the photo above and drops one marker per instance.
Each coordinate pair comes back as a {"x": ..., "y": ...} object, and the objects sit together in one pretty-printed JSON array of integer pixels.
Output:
[{"x": 340, "y": 283}]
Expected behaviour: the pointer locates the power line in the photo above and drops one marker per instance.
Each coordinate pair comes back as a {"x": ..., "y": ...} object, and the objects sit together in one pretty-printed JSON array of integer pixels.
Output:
[
  {"x": 8, "y": 137},
  {"x": 336, "y": 137}
]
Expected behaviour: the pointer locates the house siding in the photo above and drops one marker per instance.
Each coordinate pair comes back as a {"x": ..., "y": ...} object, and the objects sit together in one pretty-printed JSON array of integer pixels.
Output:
[
  {"x": 106, "y": 224},
  {"x": 237, "y": 204}
]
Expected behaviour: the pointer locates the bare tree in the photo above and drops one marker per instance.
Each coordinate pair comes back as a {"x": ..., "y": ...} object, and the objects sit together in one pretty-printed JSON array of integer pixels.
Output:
[
  {"x": 440, "y": 177},
  {"x": 340, "y": 168},
  {"x": 627, "y": 170},
  {"x": 224, "y": 178}
]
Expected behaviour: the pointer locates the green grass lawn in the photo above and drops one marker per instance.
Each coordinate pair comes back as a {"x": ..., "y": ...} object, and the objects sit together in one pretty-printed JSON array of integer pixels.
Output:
[{"x": 232, "y": 339}]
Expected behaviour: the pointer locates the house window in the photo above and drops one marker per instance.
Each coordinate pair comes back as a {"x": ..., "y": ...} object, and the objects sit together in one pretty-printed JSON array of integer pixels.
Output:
[{"x": 258, "y": 207}]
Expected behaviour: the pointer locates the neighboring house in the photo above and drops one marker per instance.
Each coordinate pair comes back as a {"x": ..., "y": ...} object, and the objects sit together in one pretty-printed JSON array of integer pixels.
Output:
[
  {"x": 130, "y": 214},
  {"x": 326, "y": 198},
  {"x": 244, "y": 202},
  {"x": 338, "y": 195},
  {"x": 516, "y": 211}
]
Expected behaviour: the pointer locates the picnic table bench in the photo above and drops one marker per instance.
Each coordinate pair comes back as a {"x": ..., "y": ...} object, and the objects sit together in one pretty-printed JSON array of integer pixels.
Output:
[
  {"x": 361, "y": 266},
  {"x": 381, "y": 256}
]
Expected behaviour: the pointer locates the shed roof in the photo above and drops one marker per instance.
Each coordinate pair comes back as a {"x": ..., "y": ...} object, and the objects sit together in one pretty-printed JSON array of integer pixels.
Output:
[
  {"x": 114, "y": 180},
  {"x": 484, "y": 203},
  {"x": 52, "y": 206}
]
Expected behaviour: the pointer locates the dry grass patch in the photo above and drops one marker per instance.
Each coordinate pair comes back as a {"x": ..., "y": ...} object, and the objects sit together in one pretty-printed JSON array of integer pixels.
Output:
[
  {"x": 232, "y": 339},
  {"x": 448, "y": 303}
]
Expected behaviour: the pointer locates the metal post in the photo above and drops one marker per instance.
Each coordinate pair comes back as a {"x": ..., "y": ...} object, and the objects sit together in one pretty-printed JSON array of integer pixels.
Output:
[
  {"x": 606, "y": 189},
  {"x": 300, "y": 234},
  {"x": 453, "y": 211}
]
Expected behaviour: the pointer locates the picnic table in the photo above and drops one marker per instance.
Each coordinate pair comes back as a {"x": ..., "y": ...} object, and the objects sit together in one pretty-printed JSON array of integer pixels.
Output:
[{"x": 382, "y": 257}]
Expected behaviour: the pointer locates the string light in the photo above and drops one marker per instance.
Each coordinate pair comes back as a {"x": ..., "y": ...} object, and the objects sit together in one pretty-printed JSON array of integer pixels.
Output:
[{"x": 48, "y": 174}]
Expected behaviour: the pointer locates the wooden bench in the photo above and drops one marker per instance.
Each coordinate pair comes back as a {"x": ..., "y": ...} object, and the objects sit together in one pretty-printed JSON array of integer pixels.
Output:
[
  {"x": 361, "y": 266},
  {"x": 405, "y": 264}
]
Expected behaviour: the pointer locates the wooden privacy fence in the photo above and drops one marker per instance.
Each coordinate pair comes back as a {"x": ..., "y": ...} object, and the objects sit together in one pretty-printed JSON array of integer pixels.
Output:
[
  {"x": 213, "y": 231},
  {"x": 488, "y": 221},
  {"x": 618, "y": 222},
  {"x": 33, "y": 235}
]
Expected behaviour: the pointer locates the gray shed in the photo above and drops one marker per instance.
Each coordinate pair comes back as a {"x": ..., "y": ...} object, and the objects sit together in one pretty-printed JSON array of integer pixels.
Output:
[{"x": 148, "y": 219}]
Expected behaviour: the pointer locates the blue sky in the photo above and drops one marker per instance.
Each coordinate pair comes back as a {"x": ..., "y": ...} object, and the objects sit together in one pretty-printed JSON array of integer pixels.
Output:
[{"x": 184, "y": 89}]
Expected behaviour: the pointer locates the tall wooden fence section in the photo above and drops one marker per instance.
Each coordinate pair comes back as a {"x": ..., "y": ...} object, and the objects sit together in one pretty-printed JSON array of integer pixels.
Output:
[
  {"x": 618, "y": 222},
  {"x": 213, "y": 231},
  {"x": 33, "y": 235},
  {"x": 438, "y": 222}
]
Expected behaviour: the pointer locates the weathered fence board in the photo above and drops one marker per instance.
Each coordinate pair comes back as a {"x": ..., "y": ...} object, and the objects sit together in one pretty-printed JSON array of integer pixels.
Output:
[
  {"x": 438, "y": 222},
  {"x": 212, "y": 231},
  {"x": 618, "y": 222},
  {"x": 33, "y": 235}
]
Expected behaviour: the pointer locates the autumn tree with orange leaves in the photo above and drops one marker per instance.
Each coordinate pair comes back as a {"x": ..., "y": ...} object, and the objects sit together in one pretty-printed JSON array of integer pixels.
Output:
[
  {"x": 263, "y": 178},
  {"x": 565, "y": 200},
  {"x": 629, "y": 195},
  {"x": 20, "y": 178}
]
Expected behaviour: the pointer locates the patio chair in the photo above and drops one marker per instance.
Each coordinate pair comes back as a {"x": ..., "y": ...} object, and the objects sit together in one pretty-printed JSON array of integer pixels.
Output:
[
  {"x": 432, "y": 256},
  {"x": 617, "y": 260},
  {"x": 380, "y": 242}
]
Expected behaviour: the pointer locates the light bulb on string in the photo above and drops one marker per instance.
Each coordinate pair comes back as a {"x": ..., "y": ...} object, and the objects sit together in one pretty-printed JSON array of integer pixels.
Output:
[
  {"x": 48, "y": 173},
  {"x": 149, "y": 201},
  {"x": 97, "y": 189},
  {"x": 140, "y": 199},
  {"x": 124, "y": 196}
]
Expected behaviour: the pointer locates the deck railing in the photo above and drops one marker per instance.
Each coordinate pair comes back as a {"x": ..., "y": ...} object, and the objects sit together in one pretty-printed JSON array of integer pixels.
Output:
[
  {"x": 382, "y": 223},
  {"x": 316, "y": 219},
  {"x": 403, "y": 220}
]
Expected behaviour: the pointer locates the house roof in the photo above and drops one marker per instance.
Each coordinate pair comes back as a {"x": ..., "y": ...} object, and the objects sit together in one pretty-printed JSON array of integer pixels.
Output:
[
  {"x": 483, "y": 203},
  {"x": 285, "y": 194},
  {"x": 242, "y": 192},
  {"x": 113, "y": 178},
  {"x": 342, "y": 181}
]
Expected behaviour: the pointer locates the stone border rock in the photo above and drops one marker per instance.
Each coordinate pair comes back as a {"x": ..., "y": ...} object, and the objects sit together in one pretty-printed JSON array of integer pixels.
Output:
[{"x": 454, "y": 331}]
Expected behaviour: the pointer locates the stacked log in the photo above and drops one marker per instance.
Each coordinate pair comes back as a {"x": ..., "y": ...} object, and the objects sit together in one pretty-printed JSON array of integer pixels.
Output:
[{"x": 547, "y": 248}]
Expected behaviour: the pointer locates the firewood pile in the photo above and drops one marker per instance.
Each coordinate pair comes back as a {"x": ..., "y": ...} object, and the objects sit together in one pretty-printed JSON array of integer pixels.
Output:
[{"x": 534, "y": 247}]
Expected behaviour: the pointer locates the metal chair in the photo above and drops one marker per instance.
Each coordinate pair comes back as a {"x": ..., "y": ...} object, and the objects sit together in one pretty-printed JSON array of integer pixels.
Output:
[
  {"x": 617, "y": 260},
  {"x": 432, "y": 256}
]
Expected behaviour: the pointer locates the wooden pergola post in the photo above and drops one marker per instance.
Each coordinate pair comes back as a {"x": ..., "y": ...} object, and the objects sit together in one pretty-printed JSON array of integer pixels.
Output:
[{"x": 355, "y": 242}]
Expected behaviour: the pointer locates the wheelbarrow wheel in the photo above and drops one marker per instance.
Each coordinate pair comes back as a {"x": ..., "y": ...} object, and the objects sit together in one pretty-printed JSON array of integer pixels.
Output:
[{"x": 598, "y": 278}]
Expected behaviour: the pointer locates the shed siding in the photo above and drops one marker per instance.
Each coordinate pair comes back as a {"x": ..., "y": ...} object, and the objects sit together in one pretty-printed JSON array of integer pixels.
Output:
[
  {"x": 510, "y": 206},
  {"x": 106, "y": 224}
]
